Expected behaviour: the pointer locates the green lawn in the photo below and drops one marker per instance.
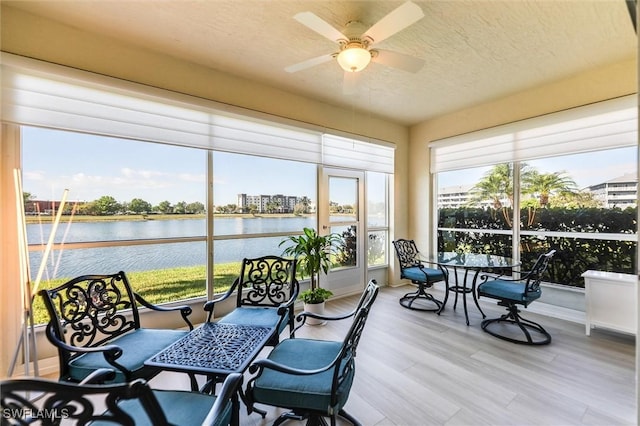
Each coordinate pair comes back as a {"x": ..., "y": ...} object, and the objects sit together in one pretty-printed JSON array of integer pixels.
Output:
[{"x": 160, "y": 286}]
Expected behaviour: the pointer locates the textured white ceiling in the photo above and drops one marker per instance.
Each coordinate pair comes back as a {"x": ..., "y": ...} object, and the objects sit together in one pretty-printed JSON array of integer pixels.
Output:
[{"x": 475, "y": 51}]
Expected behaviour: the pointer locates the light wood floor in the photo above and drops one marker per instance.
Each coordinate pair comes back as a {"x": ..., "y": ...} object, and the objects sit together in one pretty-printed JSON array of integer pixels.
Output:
[{"x": 418, "y": 368}]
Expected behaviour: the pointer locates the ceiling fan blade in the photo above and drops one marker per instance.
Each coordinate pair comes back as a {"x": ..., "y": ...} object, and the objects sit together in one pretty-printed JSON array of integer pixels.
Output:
[
  {"x": 398, "y": 60},
  {"x": 350, "y": 83},
  {"x": 394, "y": 22},
  {"x": 313, "y": 22},
  {"x": 309, "y": 63}
]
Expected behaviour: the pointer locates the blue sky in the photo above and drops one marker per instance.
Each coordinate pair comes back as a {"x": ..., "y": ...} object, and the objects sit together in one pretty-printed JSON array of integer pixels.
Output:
[
  {"x": 93, "y": 166},
  {"x": 585, "y": 169}
]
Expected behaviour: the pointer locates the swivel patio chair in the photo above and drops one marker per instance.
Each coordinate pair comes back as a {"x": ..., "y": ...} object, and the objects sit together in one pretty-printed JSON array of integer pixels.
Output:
[
  {"x": 94, "y": 322},
  {"x": 266, "y": 291},
  {"x": 416, "y": 269},
  {"x": 311, "y": 377},
  {"x": 45, "y": 402},
  {"x": 511, "y": 293}
]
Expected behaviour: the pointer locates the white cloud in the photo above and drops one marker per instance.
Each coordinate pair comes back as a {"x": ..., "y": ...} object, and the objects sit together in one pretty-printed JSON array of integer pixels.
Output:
[{"x": 37, "y": 175}]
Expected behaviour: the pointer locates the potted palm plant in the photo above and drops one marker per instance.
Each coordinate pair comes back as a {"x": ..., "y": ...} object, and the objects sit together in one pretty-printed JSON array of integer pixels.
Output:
[{"x": 314, "y": 253}]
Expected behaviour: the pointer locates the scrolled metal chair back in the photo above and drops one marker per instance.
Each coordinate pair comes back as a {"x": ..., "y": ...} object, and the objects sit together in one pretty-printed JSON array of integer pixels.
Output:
[
  {"x": 407, "y": 253},
  {"x": 88, "y": 310},
  {"x": 267, "y": 281},
  {"x": 51, "y": 403},
  {"x": 345, "y": 365},
  {"x": 534, "y": 276}
]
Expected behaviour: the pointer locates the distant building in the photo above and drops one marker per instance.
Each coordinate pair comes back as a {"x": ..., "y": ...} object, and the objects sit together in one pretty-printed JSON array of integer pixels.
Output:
[
  {"x": 43, "y": 207},
  {"x": 619, "y": 192},
  {"x": 452, "y": 197},
  {"x": 282, "y": 203}
]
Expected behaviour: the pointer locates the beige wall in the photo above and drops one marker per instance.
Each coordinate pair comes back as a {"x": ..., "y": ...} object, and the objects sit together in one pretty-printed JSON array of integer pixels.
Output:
[
  {"x": 600, "y": 84},
  {"x": 10, "y": 296}
]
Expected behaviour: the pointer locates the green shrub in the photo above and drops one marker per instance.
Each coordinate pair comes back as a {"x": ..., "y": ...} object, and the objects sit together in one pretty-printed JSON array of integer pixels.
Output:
[{"x": 574, "y": 254}]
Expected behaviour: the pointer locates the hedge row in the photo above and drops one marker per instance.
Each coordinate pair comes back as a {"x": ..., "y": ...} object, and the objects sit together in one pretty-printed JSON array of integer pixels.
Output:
[{"x": 574, "y": 255}]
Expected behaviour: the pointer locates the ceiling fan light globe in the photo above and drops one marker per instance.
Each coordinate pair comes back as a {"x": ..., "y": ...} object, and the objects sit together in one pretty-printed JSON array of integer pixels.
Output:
[{"x": 354, "y": 59}]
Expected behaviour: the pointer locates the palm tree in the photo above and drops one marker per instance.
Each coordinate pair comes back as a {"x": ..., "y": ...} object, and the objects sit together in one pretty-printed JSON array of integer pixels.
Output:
[
  {"x": 491, "y": 188},
  {"x": 496, "y": 186},
  {"x": 272, "y": 206},
  {"x": 544, "y": 184},
  {"x": 306, "y": 202}
]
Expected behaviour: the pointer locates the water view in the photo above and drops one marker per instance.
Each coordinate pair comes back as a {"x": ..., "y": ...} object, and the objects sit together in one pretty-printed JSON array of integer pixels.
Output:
[{"x": 70, "y": 263}]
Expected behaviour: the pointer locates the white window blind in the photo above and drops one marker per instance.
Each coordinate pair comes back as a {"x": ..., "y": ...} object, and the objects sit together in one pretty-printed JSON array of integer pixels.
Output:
[
  {"x": 47, "y": 95},
  {"x": 339, "y": 151},
  {"x": 605, "y": 125},
  {"x": 37, "y": 93}
]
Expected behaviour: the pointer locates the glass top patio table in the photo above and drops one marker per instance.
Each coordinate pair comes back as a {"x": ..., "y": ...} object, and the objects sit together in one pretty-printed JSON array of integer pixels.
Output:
[{"x": 472, "y": 264}]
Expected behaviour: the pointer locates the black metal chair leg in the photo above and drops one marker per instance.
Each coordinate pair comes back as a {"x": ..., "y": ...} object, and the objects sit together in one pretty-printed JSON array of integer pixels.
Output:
[
  {"x": 446, "y": 296},
  {"x": 193, "y": 381},
  {"x": 349, "y": 418},
  {"x": 289, "y": 415},
  {"x": 464, "y": 306},
  {"x": 456, "y": 289},
  {"x": 514, "y": 292},
  {"x": 475, "y": 299},
  {"x": 531, "y": 325},
  {"x": 526, "y": 327},
  {"x": 408, "y": 300},
  {"x": 474, "y": 291},
  {"x": 251, "y": 408}
]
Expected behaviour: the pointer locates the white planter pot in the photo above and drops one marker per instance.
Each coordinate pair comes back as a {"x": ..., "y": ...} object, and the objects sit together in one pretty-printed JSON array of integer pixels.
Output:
[{"x": 315, "y": 308}]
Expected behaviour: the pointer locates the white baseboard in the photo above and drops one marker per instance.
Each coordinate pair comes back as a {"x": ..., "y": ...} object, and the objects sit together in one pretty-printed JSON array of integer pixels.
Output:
[
  {"x": 559, "y": 312},
  {"x": 47, "y": 367}
]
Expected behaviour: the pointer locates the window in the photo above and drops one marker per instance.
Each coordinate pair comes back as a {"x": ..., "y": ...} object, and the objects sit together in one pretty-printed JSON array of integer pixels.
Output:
[
  {"x": 131, "y": 206},
  {"x": 566, "y": 181},
  {"x": 377, "y": 218},
  {"x": 258, "y": 201},
  {"x": 562, "y": 207},
  {"x": 474, "y": 212},
  {"x": 171, "y": 178}
]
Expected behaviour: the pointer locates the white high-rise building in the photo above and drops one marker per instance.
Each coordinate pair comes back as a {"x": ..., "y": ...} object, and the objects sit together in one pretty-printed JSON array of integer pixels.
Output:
[
  {"x": 619, "y": 192},
  {"x": 286, "y": 203},
  {"x": 454, "y": 196}
]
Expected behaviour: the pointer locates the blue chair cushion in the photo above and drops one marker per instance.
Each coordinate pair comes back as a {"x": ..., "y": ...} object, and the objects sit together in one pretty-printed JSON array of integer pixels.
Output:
[
  {"x": 137, "y": 346},
  {"x": 260, "y": 316},
  {"x": 180, "y": 408},
  {"x": 416, "y": 274},
  {"x": 508, "y": 290},
  {"x": 309, "y": 392}
]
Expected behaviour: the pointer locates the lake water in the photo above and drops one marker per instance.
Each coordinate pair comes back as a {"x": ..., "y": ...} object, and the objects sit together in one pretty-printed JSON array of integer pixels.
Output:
[{"x": 70, "y": 263}]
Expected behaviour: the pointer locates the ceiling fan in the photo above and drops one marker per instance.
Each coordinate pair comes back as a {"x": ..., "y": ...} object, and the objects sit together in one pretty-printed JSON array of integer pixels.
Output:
[{"x": 356, "y": 47}]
